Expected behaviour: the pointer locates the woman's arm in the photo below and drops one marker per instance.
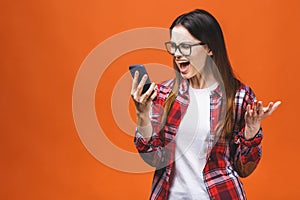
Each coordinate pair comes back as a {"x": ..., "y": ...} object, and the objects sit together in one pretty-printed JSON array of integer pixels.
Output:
[
  {"x": 143, "y": 104},
  {"x": 152, "y": 149},
  {"x": 147, "y": 139},
  {"x": 248, "y": 139}
]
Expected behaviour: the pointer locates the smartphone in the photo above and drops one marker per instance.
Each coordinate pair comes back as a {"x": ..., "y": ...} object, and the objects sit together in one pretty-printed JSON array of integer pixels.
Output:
[{"x": 142, "y": 71}]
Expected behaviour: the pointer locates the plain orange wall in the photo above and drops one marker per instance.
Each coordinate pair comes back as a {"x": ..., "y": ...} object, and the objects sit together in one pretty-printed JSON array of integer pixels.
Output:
[{"x": 43, "y": 44}]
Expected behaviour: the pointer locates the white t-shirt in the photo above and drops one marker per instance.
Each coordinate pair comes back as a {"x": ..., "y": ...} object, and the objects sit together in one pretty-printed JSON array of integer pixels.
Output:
[{"x": 191, "y": 147}]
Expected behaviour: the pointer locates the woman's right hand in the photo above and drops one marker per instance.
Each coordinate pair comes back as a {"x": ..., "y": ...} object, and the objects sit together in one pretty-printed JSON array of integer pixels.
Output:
[{"x": 142, "y": 101}]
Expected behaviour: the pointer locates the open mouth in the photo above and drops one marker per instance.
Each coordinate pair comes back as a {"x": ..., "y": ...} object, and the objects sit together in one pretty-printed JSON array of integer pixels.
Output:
[{"x": 184, "y": 66}]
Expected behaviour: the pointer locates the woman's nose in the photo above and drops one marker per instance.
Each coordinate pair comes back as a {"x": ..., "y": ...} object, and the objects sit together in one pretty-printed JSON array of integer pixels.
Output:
[{"x": 177, "y": 53}]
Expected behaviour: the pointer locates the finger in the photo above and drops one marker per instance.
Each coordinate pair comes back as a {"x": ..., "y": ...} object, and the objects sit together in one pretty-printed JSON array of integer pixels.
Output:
[
  {"x": 276, "y": 104},
  {"x": 248, "y": 109},
  {"x": 153, "y": 95},
  {"x": 151, "y": 88},
  {"x": 136, "y": 97},
  {"x": 274, "y": 107},
  {"x": 141, "y": 85},
  {"x": 134, "y": 82},
  {"x": 145, "y": 97},
  {"x": 254, "y": 108},
  {"x": 268, "y": 108},
  {"x": 260, "y": 110}
]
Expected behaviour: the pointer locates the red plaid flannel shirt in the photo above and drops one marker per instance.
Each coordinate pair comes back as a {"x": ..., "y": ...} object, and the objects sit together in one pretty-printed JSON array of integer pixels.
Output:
[{"x": 227, "y": 160}]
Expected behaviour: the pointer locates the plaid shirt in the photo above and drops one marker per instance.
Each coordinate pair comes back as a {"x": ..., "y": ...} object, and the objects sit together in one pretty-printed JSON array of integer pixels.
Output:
[{"x": 226, "y": 159}]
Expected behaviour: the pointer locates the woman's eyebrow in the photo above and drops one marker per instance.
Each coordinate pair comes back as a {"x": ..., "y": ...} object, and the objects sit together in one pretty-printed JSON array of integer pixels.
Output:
[{"x": 185, "y": 42}]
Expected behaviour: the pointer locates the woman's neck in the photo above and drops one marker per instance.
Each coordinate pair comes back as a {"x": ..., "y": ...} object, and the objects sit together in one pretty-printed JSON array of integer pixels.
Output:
[{"x": 199, "y": 82}]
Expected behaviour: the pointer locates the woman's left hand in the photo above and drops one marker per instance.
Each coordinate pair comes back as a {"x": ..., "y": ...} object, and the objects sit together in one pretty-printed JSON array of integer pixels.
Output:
[{"x": 255, "y": 113}]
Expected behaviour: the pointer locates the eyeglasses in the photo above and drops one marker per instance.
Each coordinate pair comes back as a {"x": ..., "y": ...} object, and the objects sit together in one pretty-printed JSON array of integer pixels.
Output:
[{"x": 184, "y": 49}]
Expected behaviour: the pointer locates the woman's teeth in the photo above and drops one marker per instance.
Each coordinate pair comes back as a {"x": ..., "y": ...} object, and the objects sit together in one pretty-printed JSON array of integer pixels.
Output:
[{"x": 184, "y": 64}]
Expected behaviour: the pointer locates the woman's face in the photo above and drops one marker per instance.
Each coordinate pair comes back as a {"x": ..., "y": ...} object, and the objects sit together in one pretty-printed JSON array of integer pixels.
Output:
[{"x": 192, "y": 65}]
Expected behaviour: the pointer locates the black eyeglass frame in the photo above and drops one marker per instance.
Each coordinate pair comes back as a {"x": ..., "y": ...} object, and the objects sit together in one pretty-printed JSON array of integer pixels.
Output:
[{"x": 177, "y": 47}]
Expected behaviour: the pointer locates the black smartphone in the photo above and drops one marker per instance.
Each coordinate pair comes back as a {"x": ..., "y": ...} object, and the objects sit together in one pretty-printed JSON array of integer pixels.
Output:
[{"x": 142, "y": 71}]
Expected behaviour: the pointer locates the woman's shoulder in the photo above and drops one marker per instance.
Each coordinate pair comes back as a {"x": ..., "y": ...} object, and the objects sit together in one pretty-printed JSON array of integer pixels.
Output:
[
  {"x": 245, "y": 91},
  {"x": 164, "y": 89},
  {"x": 165, "y": 85}
]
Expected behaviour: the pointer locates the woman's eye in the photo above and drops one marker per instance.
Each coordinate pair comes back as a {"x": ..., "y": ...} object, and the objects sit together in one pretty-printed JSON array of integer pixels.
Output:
[{"x": 185, "y": 46}]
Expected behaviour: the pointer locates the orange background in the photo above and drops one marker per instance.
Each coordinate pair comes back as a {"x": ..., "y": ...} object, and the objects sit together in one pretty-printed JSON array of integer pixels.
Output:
[{"x": 43, "y": 44}]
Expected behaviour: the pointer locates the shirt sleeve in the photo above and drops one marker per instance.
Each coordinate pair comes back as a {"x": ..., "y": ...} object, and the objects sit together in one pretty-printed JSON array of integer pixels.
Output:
[
  {"x": 247, "y": 152},
  {"x": 153, "y": 150}
]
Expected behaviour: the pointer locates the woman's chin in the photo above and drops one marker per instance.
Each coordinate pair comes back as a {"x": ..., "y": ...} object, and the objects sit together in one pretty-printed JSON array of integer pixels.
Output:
[{"x": 185, "y": 75}]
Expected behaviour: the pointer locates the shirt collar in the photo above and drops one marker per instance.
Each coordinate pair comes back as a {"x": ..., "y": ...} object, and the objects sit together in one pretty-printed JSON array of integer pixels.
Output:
[{"x": 184, "y": 88}]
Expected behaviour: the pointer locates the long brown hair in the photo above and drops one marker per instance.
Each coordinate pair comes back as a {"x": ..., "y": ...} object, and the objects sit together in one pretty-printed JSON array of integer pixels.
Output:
[{"x": 203, "y": 26}]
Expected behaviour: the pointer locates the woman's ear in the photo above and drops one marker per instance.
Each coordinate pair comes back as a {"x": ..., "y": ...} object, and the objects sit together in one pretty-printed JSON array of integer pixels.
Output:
[{"x": 210, "y": 53}]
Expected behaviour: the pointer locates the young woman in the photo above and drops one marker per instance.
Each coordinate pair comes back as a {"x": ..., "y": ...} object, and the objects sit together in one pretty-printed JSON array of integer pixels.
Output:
[{"x": 201, "y": 130}]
